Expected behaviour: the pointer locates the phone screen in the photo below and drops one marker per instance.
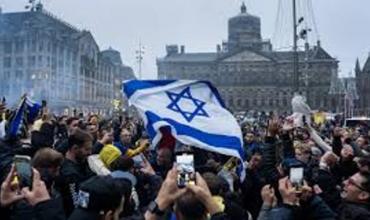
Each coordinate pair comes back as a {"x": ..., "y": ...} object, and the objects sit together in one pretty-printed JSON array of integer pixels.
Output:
[
  {"x": 138, "y": 160},
  {"x": 24, "y": 170},
  {"x": 186, "y": 171},
  {"x": 296, "y": 176}
]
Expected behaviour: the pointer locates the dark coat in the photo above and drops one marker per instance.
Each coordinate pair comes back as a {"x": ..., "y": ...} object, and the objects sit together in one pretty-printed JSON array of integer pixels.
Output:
[
  {"x": 71, "y": 176},
  {"x": 353, "y": 211}
]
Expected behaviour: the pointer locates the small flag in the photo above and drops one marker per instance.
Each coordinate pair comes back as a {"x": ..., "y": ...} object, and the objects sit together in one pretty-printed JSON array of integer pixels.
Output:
[{"x": 27, "y": 109}]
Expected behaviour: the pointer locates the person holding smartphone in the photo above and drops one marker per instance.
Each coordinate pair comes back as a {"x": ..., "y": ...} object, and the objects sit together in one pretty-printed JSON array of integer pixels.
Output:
[{"x": 192, "y": 202}]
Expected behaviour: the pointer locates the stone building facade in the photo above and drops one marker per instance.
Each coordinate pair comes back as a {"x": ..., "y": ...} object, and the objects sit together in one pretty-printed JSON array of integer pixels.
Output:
[
  {"x": 50, "y": 59},
  {"x": 250, "y": 75},
  {"x": 363, "y": 88}
]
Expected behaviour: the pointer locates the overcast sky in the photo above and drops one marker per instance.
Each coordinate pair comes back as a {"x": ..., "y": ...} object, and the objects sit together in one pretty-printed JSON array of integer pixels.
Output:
[{"x": 343, "y": 25}]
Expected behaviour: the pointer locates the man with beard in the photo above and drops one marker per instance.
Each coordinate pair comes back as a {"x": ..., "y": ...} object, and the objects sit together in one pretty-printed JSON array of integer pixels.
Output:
[{"x": 75, "y": 168}]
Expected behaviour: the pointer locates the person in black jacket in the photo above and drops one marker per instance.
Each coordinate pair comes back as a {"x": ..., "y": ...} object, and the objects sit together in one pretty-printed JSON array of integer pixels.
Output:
[
  {"x": 252, "y": 185},
  {"x": 233, "y": 210},
  {"x": 74, "y": 169},
  {"x": 356, "y": 197}
]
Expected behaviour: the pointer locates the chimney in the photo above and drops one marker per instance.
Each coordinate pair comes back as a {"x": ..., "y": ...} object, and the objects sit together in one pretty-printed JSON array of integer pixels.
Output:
[
  {"x": 225, "y": 46},
  {"x": 39, "y": 7},
  {"x": 172, "y": 49},
  {"x": 218, "y": 48},
  {"x": 182, "y": 49}
]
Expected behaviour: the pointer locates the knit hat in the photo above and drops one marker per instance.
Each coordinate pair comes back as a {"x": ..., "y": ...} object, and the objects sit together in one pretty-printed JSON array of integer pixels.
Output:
[{"x": 108, "y": 154}]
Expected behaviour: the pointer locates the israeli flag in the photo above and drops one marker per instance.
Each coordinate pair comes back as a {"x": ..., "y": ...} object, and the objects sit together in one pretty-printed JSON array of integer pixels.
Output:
[
  {"x": 193, "y": 110},
  {"x": 27, "y": 109}
]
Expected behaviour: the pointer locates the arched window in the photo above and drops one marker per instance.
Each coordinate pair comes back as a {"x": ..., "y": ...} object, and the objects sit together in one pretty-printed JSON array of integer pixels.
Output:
[
  {"x": 239, "y": 102},
  {"x": 247, "y": 103},
  {"x": 254, "y": 102},
  {"x": 285, "y": 102},
  {"x": 271, "y": 102}
]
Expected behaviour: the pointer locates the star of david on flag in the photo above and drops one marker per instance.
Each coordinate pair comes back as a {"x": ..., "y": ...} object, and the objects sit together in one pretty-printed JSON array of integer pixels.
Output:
[
  {"x": 185, "y": 94},
  {"x": 193, "y": 111}
]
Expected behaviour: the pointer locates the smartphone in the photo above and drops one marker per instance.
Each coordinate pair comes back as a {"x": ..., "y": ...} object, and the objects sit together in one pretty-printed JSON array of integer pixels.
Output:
[
  {"x": 185, "y": 168},
  {"x": 138, "y": 160},
  {"x": 24, "y": 170},
  {"x": 296, "y": 177}
]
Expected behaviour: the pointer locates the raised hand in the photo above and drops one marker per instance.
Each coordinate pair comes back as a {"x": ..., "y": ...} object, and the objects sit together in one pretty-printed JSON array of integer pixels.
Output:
[
  {"x": 9, "y": 193},
  {"x": 268, "y": 196},
  {"x": 39, "y": 192}
]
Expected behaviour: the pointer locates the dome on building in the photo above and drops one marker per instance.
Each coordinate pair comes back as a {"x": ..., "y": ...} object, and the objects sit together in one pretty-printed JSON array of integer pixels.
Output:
[
  {"x": 113, "y": 55},
  {"x": 244, "y": 29}
]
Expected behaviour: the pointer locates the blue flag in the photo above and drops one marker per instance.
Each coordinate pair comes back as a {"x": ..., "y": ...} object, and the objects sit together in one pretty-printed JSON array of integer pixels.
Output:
[
  {"x": 193, "y": 110},
  {"x": 27, "y": 109}
]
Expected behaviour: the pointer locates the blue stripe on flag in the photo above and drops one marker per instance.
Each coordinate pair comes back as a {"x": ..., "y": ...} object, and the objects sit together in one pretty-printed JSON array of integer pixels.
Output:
[
  {"x": 130, "y": 87},
  {"x": 215, "y": 140},
  {"x": 215, "y": 92},
  {"x": 33, "y": 109},
  {"x": 17, "y": 120}
]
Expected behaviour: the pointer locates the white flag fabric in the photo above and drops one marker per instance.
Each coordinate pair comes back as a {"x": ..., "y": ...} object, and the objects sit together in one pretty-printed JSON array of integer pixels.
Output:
[{"x": 193, "y": 110}]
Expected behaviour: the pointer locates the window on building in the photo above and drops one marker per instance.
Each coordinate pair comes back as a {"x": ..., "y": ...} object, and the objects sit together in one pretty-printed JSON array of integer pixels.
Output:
[
  {"x": 7, "y": 62},
  {"x": 271, "y": 102},
  {"x": 19, "y": 62},
  {"x": 325, "y": 102},
  {"x": 60, "y": 64},
  {"x": 285, "y": 102},
  {"x": 40, "y": 61},
  {"x": 247, "y": 103},
  {"x": 31, "y": 61},
  {"x": 7, "y": 47},
  {"x": 18, "y": 74},
  {"x": 239, "y": 102},
  {"x": 49, "y": 46},
  {"x": 61, "y": 51},
  {"x": 231, "y": 101},
  {"x": 318, "y": 101},
  {"x": 7, "y": 75},
  {"x": 54, "y": 48},
  {"x": 19, "y": 47},
  {"x": 333, "y": 102},
  {"x": 263, "y": 102},
  {"x": 254, "y": 102},
  {"x": 74, "y": 56},
  {"x": 33, "y": 45},
  {"x": 41, "y": 46}
]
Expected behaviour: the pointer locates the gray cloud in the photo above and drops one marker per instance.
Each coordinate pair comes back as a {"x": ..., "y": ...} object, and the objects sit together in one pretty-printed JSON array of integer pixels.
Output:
[{"x": 201, "y": 24}]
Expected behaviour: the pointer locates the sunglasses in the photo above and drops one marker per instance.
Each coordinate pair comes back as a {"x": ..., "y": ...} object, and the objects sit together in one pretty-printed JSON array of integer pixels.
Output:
[{"x": 353, "y": 183}]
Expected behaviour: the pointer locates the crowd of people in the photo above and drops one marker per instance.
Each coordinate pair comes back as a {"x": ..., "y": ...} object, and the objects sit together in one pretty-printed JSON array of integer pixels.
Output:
[{"x": 93, "y": 167}]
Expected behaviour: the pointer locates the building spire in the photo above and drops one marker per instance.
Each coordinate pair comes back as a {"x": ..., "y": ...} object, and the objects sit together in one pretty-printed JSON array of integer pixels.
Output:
[
  {"x": 243, "y": 8},
  {"x": 357, "y": 68}
]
